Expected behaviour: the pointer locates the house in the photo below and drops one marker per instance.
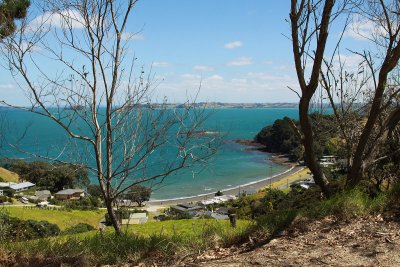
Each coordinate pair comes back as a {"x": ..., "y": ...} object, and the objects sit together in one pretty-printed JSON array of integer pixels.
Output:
[
  {"x": 21, "y": 186},
  {"x": 1, "y": 192},
  {"x": 186, "y": 208},
  {"x": 69, "y": 194},
  {"x": 42, "y": 195},
  {"x": 136, "y": 218},
  {"x": 5, "y": 185}
]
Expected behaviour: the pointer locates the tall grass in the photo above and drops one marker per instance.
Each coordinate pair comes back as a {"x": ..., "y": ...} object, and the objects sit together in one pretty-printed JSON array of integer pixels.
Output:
[
  {"x": 131, "y": 247},
  {"x": 349, "y": 204}
]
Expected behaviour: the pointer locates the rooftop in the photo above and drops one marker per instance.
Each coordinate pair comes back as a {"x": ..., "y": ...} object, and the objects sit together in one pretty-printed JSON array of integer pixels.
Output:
[
  {"x": 21, "y": 185},
  {"x": 69, "y": 191}
]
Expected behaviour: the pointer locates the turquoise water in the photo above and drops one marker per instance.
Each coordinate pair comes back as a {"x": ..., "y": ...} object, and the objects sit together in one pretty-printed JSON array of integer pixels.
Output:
[{"x": 233, "y": 165}]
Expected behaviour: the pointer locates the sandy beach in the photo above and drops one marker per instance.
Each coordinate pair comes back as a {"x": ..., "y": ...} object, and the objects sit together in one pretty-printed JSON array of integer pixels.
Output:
[{"x": 257, "y": 185}]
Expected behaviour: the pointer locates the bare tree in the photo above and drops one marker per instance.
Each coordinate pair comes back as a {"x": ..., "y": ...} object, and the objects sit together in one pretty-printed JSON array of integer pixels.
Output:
[
  {"x": 386, "y": 16},
  {"x": 366, "y": 92},
  {"x": 96, "y": 94},
  {"x": 310, "y": 21}
]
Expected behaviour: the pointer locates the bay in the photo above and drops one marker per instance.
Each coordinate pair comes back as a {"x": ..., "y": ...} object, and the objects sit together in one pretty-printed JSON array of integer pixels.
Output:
[{"x": 233, "y": 165}]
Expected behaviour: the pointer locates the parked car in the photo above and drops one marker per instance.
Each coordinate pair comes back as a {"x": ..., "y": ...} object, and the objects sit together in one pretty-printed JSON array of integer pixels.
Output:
[{"x": 24, "y": 200}]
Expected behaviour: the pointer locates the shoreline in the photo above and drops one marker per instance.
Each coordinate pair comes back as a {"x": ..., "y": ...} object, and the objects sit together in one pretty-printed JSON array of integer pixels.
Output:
[
  {"x": 256, "y": 185},
  {"x": 276, "y": 158}
]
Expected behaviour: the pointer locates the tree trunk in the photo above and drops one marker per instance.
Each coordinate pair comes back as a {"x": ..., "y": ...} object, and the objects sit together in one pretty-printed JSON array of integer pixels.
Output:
[
  {"x": 113, "y": 217},
  {"x": 308, "y": 141}
]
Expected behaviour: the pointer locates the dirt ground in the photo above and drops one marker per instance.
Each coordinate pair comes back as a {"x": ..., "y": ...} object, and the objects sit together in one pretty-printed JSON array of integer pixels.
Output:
[{"x": 371, "y": 241}]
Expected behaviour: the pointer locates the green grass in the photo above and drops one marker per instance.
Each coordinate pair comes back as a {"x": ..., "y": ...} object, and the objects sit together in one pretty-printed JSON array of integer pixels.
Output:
[
  {"x": 62, "y": 218},
  {"x": 349, "y": 204},
  {"x": 139, "y": 243},
  {"x": 8, "y": 176},
  {"x": 183, "y": 227}
]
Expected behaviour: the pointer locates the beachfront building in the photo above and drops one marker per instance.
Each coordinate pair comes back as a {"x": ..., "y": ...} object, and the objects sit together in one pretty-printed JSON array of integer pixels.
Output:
[
  {"x": 217, "y": 199},
  {"x": 69, "y": 194},
  {"x": 326, "y": 161},
  {"x": 186, "y": 208}
]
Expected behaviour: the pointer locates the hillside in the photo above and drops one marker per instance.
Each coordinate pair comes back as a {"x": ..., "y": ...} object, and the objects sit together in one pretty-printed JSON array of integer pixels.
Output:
[
  {"x": 8, "y": 176},
  {"x": 367, "y": 241}
]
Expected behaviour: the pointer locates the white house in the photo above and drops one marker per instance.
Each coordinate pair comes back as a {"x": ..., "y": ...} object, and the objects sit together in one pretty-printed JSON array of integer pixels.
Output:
[{"x": 22, "y": 186}]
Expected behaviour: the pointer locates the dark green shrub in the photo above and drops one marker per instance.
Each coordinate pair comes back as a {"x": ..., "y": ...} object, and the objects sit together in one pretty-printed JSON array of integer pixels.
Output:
[{"x": 78, "y": 228}]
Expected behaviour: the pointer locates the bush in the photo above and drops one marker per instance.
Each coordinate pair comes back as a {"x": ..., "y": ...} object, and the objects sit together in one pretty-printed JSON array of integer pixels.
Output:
[
  {"x": 14, "y": 229},
  {"x": 78, "y": 228},
  {"x": 85, "y": 203}
]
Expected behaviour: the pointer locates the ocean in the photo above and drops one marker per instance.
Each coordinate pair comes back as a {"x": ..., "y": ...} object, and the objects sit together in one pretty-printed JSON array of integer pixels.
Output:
[{"x": 233, "y": 164}]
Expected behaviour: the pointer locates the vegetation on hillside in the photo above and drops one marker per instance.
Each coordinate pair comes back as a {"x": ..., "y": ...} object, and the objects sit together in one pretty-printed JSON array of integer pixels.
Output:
[
  {"x": 281, "y": 137},
  {"x": 53, "y": 177}
]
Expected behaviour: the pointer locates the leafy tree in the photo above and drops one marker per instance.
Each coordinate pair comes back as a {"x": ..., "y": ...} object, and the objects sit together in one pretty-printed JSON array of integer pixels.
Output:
[
  {"x": 281, "y": 137},
  {"x": 139, "y": 194},
  {"x": 94, "y": 190},
  {"x": 9, "y": 11}
]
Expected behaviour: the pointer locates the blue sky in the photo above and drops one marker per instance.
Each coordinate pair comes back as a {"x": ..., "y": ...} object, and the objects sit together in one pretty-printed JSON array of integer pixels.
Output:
[{"x": 236, "y": 50}]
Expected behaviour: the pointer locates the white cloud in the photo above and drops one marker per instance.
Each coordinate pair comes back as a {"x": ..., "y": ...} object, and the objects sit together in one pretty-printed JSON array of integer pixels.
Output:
[
  {"x": 189, "y": 76},
  {"x": 62, "y": 19},
  {"x": 161, "y": 64},
  {"x": 241, "y": 61},
  {"x": 132, "y": 36},
  {"x": 283, "y": 67},
  {"x": 246, "y": 87},
  {"x": 215, "y": 78},
  {"x": 7, "y": 86},
  {"x": 203, "y": 68},
  {"x": 363, "y": 29},
  {"x": 268, "y": 62},
  {"x": 233, "y": 45}
]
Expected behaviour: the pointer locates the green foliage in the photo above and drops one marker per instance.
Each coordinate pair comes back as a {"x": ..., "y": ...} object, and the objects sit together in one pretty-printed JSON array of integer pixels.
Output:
[
  {"x": 78, "y": 228},
  {"x": 9, "y": 11},
  {"x": 84, "y": 203},
  {"x": 15, "y": 229},
  {"x": 281, "y": 137},
  {"x": 46, "y": 176},
  {"x": 94, "y": 190},
  {"x": 5, "y": 198},
  {"x": 349, "y": 204},
  {"x": 139, "y": 194}
]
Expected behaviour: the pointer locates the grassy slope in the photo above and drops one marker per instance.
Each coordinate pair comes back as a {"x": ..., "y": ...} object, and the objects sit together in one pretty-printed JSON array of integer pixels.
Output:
[
  {"x": 183, "y": 227},
  {"x": 8, "y": 176},
  {"x": 63, "y": 219}
]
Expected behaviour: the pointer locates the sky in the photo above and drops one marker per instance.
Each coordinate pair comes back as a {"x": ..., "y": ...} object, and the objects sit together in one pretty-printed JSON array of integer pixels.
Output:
[{"x": 228, "y": 51}]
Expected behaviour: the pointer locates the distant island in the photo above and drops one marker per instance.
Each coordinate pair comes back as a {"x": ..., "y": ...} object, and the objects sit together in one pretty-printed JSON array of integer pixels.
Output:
[{"x": 219, "y": 105}]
